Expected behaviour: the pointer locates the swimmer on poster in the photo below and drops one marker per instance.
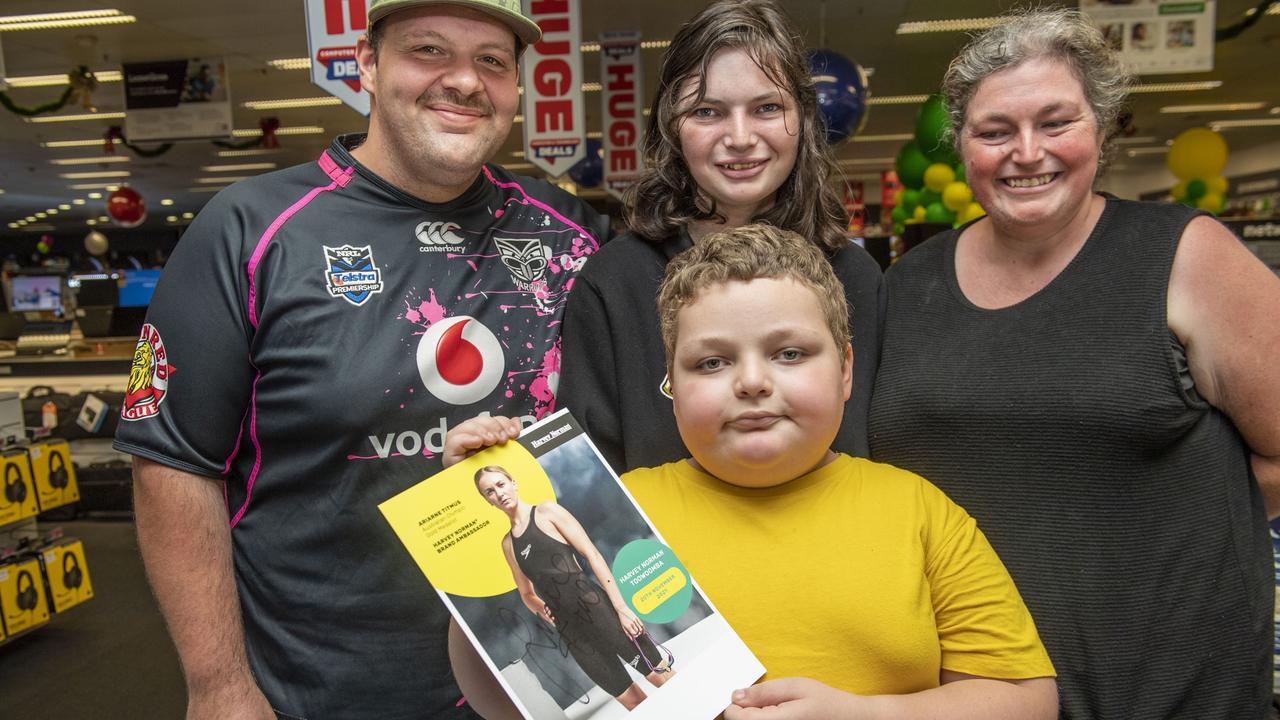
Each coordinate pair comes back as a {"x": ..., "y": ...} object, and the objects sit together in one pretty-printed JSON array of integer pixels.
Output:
[{"x": 592, "y": 619}]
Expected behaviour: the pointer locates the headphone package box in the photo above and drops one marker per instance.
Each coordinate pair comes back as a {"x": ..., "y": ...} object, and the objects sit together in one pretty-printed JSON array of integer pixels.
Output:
[
  {"x": 55, "y": 476},
  {"x": 68, "y": 574},
  {"x": 17, "y": 498},
  {"x": 22, "y": 600}
]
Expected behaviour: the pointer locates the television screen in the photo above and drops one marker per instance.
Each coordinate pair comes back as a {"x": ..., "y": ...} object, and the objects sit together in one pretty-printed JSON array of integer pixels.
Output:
[
  {"x": 93, "y": 290},
  {"x": 36, "y": 293},
  {"x": 137, "y": 287}
]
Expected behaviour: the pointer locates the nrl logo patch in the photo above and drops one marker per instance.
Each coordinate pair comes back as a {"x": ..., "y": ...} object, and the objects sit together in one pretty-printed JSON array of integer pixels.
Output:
[
  {"x": 351, "y": 274},
  {"x": 526, "y": 260}
]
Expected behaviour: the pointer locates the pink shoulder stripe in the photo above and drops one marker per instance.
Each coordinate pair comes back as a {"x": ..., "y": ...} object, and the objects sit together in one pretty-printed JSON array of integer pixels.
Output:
[
  {"x": 540, "y": 205},
  {"x": 340, "y": 177}
]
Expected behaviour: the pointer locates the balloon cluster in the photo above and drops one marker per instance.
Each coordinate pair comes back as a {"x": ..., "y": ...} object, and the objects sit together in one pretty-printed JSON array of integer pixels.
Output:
[
  {"x": 1197, "y": 157},
  {"x": 932, "y": 176},
  {"x": 589, "y": 171}
]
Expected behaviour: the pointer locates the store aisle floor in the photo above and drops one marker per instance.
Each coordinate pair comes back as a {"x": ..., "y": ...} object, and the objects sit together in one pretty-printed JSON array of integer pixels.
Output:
[{"x": 108, "y": 658}]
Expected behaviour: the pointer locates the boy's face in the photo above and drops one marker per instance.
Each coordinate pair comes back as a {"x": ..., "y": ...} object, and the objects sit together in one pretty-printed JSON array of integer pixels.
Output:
[{"x": 757, "y": 381}]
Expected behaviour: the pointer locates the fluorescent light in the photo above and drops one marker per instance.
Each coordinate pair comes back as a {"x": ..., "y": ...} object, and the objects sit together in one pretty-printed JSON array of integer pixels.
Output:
[
  {"x": 1276, "y": 110},
  {"x": 64, "y": 206},
  {"x": 292, "y": 130},
  {"x": 78, "y": 201},
  {"x": 188, "y": 215},
  {"x": 595, "y": 135},
  {"x": 65, "y": 20},
  {"x": 94, "y": 186},
  {"x": 1213, "y": 107},
  {"x": 95, "y": 195},
  {"x": 75, "y": 143},
  {"x": 1256, "y": 122},
  {"x": 76, "y": 118},
  {"x": 90, "y": 160},
  {"x": 322, "y": 101},
  {"x": 894, "y": 137},
  {"x": 166, "y": 202},
  {"x": 896, "y": 99},
  {"x": 171, "y": 218},
  {"x": 91, "y": 221},
  {"x": 957, "y": 25},
  {"x": 103, "y": 76},
  {"x": 868, "y": 161},
  {"x": 247, "y": 152},
  {"x": 41, "y": 216},
  {"x": 1175, "y": 86},
  {"x": 1135, "y": 152},
  {"x": 290, "y": 63},
  {"x": 239, "y": 168},
  {"x": 96, "y": 174},
  {"x": 223, "y": 180}
]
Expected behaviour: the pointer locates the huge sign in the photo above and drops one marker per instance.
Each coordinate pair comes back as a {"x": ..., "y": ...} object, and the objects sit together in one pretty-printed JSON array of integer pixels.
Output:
[
  {"x": 622, "y": 112},
  {"x": 177, "y": 100},
  {"x": 333, "y": 27},
  {"x": 1158, "y": 36},
  {"x": 554, "y": 114}
]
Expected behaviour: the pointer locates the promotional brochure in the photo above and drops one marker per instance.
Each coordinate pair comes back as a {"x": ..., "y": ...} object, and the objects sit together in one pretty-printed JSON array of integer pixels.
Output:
[{"x": 573, "y": 600}]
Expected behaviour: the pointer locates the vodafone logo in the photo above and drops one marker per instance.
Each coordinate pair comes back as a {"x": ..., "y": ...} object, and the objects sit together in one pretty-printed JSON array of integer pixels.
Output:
[{"x": 460, "y": 360}]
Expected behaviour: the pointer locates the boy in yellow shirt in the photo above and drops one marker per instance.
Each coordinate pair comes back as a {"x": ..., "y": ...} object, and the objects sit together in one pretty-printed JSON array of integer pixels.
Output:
[{"x": 863, "y": 590}]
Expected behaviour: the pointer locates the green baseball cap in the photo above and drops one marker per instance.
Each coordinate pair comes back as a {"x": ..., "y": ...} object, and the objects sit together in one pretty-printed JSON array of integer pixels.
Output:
[{"x": 507, "y": 11}]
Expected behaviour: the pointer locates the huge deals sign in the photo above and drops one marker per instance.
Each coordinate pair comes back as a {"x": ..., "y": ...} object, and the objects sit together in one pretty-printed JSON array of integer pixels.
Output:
[
  {"x": 554, "y": 114},
  {"x": 333, "y": 26},
  {"x": 623, "y": 114}
]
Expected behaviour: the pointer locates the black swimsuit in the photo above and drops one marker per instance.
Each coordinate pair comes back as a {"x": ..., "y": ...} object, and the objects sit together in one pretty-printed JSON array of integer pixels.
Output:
[{"x": 584, "y": 617}]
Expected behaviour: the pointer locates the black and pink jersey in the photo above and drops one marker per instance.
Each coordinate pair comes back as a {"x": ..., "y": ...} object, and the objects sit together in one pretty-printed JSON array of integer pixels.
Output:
[{"x": 314, "y": 335}]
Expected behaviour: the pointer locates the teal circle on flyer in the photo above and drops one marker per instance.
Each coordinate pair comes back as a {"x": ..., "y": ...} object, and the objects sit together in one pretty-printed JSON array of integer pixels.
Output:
[{"x": 653, "y": 581}]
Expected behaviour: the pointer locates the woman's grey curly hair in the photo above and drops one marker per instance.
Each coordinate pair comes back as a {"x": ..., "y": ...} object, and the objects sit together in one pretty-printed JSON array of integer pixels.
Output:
[{"x": 1041, "y": 33}]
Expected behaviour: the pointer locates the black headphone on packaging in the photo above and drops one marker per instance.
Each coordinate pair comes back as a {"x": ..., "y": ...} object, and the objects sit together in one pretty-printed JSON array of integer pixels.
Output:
[
  {"x": 71, "y": 576},
  {"x": 58, "y": 475},
  {"x": 27, "y": 598},
  {"x": 15, "y": 489}
]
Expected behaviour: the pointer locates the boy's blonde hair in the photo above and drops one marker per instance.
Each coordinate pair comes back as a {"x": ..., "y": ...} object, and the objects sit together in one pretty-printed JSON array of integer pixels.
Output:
[{"x": 747, "y": 253}]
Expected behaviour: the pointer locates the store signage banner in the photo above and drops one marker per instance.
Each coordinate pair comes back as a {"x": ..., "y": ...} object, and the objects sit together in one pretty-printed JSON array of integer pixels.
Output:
[
  {"x": 177, "y": 100},
  {"x": 623, "y": 113},
  {"x": 554, "y": 110},
  {"x": 1161, "y": 36},
  {"x": 333, "y": 27}
]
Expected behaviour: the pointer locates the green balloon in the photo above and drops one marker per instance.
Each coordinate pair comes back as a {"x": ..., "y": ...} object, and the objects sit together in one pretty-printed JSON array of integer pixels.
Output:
[
  {"x": 937, "y": 213},
  {"x": 931, "y": 125},
  {"x": 929, "y": 197},
  {"x": 1196, "y": 190},
  {"x": 911, "y": 164},
  {"x": 900, "y": 214},
  {"x": 960, "y": 172},
  {"x": 899, "y": 228},
  {"x": 910, "y": 199}
]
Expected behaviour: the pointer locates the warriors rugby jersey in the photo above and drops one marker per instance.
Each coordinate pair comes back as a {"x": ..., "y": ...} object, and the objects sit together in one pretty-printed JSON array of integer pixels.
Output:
[{"x": 311, "y": 340}]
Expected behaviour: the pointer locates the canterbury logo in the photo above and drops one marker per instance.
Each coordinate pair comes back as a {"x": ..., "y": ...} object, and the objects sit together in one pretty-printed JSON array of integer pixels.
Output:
[
  {"x": 525, "y": 552},
  {"x": 438, "y": 233}
]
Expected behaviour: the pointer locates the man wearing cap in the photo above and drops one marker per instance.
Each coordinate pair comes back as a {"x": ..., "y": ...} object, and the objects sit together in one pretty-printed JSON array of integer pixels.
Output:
[{"x": 312, "y": 339}]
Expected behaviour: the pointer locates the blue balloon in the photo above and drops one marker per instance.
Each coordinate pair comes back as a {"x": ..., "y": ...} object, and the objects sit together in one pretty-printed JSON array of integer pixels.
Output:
[
  {"x": 589, "y": 171},
  {"x": 842, "y": 93}
]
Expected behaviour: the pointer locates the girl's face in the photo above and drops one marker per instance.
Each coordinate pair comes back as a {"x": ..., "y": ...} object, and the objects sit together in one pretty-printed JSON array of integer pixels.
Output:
[{"x": 740, "y": 141}]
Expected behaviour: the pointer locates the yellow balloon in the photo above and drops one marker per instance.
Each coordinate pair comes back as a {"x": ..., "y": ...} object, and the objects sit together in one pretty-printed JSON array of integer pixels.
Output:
[
  {"x": 972, "y": 212},
  {"x": 1179, "y": 191},
  {"x": 938, "y": 175},
  {"x": 1197, "y": 153},
  {"x": 918, "y": 215},
  {"x": 956, "y": 196},
  {"x": 1210, "y": 201},
  {"x": 897, "y": 197},
  {"x": 1217, "y": 184}
]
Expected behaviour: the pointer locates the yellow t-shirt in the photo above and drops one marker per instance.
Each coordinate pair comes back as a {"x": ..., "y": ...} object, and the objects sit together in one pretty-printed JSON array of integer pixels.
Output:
[{"x": 860, "y": 575}]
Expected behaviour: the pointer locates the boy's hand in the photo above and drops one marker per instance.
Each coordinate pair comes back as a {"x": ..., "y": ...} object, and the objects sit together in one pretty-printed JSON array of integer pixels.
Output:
[
  {"x": 476, "y": 434},
  {"x": 791, "y": 699}
]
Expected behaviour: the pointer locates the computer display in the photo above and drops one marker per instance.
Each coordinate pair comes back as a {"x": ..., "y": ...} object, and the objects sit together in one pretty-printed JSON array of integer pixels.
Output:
[
  {"x": 96, "y": 290},
  {"x": 137, "y": 288},
  {"x": 36, "y": 293}
]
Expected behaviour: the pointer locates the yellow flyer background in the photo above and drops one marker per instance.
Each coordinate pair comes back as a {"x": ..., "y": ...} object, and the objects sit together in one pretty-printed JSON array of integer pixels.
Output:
[{"x": 453, "y": 534}]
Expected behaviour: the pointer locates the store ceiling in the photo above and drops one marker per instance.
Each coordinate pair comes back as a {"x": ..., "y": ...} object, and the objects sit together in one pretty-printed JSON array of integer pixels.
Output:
[{"x": 249, "y": 33}]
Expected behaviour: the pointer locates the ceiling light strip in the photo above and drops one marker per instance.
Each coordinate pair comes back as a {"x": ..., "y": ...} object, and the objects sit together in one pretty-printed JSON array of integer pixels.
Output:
[
  {"x": 72, "y": 15},
  {"x": 286, "y": 104},
  {"x": 293, "y": 130},
  {"x": 1255, "y": 122},
  {"x": 1213, "y": 107},
  {"x": 957, "y": 25},
  {"x": 1175, "y": 87},
  {"x": 28, "y": 81},
  {"x": 76, "y": 118},
  {"x": 53, "y": 24},
  {"x": 896, "y": 99},
  {"x": 91, "y": 160}
]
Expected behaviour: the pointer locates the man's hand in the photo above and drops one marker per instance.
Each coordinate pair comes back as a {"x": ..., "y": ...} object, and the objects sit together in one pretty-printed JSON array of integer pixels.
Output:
[
  {"x": 476, "y": 434},
  {"x": 791, "y": 699}
]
